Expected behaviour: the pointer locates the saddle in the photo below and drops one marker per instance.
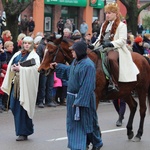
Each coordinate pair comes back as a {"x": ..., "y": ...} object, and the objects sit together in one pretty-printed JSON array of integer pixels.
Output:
[{"x": 102, "y": 52}]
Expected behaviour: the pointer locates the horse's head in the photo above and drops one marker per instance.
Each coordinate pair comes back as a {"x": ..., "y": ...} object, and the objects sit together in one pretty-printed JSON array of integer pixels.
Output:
[{"x": 56, "y": 51}]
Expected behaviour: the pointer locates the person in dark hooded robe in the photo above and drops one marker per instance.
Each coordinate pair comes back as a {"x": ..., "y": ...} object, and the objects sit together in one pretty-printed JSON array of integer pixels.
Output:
[{"x": 82, "y": 121}]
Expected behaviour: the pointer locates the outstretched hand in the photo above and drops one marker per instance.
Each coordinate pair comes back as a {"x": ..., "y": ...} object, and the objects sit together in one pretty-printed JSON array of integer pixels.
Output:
[{"x": 53, "y": 65}]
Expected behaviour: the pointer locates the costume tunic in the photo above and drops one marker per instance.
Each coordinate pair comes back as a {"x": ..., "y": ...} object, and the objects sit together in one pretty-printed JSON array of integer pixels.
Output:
[
  {"x": 81, "y": 77},
  {"x": 23, "y": 107}
]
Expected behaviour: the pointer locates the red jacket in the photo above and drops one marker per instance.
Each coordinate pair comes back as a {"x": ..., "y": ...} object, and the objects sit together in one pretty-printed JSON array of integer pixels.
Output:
[{"x": 3, "y": 71}]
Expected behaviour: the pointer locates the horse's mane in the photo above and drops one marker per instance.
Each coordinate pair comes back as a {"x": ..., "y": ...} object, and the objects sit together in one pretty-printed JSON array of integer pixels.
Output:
[{"x": 67, "y": 41}]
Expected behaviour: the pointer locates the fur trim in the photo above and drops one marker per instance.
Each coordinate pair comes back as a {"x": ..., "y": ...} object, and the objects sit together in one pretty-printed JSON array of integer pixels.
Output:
[{"x": 113, "y": 29}]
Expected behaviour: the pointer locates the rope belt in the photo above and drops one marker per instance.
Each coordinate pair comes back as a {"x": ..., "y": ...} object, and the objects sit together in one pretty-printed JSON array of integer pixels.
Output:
[{"x": 69, "y": 93}]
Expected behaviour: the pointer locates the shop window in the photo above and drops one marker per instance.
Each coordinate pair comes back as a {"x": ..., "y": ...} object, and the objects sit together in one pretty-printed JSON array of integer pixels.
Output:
[
  {"x": 47, "y": 24},
  {"x": 95, "y": 14}
]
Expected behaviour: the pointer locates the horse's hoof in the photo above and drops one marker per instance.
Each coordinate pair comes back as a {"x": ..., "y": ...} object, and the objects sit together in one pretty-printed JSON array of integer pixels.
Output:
[
  {"x": 130, "y": 136},
  {"x": 136, "y": 139}
]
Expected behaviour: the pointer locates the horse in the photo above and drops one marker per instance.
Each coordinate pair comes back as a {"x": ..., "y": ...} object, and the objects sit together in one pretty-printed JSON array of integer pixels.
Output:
[{"x": 57, "y": 50}]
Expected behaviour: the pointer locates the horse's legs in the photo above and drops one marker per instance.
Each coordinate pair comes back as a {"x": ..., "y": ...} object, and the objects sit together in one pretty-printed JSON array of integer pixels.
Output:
[
  {"x": 132, "y": 106},
  {"x": 142, "y": 105}
]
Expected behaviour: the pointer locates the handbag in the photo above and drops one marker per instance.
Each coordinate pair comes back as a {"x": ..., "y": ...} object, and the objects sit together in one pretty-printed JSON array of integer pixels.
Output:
[{"x": 28, "y": 63}]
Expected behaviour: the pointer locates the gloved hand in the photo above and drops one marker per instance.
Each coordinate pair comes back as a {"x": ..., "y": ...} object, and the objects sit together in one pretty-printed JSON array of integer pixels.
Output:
[
  {"x": 90, "y": 46},
  {"x": 107, "y": 44}
]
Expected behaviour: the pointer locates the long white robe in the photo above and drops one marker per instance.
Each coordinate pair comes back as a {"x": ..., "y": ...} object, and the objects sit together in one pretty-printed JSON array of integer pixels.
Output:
[{"x": 29, "y": 79}]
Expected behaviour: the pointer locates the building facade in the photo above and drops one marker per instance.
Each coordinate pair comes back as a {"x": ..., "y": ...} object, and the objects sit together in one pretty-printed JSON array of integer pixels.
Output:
[
  {"x": 46, "y": 13},
  {"x": 76, "y": 10}
]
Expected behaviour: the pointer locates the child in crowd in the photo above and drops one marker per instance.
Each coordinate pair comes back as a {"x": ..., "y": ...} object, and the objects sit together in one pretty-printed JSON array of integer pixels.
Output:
[
  {"x": 8, "y": 47},
  {"x": 57, "y": 84}
]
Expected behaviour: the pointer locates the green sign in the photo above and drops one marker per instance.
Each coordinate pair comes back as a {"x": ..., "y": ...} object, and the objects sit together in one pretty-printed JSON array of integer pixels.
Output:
[
  {"x": 21, "y": 1},
  {"x": 97, "y": 3},
  {"x": 79, "y": 3}
]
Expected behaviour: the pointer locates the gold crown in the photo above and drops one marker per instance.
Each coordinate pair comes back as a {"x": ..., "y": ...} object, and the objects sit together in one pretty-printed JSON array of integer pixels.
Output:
[{"x": 112, "y": 7}]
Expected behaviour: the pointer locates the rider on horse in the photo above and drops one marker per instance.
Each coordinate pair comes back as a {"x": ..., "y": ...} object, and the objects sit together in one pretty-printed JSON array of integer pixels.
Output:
[{"x": 114, "y": 34}]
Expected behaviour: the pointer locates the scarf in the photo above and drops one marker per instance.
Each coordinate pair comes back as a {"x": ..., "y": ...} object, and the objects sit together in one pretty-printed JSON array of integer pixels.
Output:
[{"x": 112, "y": 31}]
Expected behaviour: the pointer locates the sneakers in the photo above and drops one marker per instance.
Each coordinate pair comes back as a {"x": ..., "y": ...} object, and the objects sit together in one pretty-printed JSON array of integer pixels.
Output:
[
  {"x": 41, "y": 105},
  {"x": 119, "y": 121},
  {"x": 22, "y": 138},
  {"x": 51, "y": 104}
]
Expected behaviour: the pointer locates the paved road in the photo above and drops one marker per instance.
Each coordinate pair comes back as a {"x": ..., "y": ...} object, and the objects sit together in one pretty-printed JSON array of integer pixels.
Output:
[{"x": 50, "y": 130}]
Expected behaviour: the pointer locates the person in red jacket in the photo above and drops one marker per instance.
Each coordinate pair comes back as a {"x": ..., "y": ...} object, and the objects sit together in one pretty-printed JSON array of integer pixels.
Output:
[
  {"x": 6, "y": 36},
  {"x": 2, "y": 75}
]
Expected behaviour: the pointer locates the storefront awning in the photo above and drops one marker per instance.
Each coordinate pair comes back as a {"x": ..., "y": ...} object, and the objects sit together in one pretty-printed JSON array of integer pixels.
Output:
[
  {"x": 97, "y": 3},
  {"x": 79, "y": 3}
]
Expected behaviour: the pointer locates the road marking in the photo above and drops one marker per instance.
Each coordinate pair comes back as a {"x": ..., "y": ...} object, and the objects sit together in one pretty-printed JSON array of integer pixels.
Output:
[
  {"x": 113, "y": 130},
  {"x": 106, "y": 131}
]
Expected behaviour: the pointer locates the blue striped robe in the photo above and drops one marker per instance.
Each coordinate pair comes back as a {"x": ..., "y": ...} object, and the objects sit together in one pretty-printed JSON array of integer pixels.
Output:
[{"x": 81, "y": 78}]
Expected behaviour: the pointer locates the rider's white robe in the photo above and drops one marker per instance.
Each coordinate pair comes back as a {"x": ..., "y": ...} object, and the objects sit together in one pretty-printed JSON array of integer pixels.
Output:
[{"x": 127, "y": 69}]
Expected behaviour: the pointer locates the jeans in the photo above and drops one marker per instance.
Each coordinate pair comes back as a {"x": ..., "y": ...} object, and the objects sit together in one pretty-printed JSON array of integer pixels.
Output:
[
  {"x": 1, "y": 102},
  {"x": 45, "y": 88},
  {"x": 120, "y": 106}
]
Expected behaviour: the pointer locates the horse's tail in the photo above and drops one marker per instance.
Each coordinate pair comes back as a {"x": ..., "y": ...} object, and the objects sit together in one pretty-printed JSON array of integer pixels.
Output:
[{"x": 148, "y": 59}]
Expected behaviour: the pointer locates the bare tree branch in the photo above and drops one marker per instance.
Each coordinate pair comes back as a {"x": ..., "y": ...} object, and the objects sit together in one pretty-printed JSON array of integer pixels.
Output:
[{"x": 143, "y": 7}]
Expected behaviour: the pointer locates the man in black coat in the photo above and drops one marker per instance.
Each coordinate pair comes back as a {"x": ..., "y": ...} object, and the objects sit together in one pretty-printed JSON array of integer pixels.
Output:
[{"x": 60, "y": 26}]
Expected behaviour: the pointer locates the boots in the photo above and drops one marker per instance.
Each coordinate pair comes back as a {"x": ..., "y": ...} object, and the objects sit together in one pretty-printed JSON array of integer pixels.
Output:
[
  {"x": 63, "y": 101},
  {"x": 112, "y": 87},
  {"x": 119, "y": 121}
]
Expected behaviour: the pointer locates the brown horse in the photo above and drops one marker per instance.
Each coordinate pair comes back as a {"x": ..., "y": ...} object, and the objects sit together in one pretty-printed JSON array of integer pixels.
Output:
[{"x": 58, "y": 51}]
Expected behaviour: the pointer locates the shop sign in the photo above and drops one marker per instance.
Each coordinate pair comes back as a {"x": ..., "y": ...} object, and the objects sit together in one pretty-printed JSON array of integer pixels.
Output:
[
  {"x": 97, "y": 3},
  {"x": 80, "y": 3},
  {"x": 93, "y": 3},
  {"x": 21, "y": 1}
]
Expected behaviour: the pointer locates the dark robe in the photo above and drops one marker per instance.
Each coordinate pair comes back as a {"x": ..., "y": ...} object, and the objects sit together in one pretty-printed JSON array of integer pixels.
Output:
[
  {"x": 81, "y": 78},
  {"x": 23, "y": 124}
]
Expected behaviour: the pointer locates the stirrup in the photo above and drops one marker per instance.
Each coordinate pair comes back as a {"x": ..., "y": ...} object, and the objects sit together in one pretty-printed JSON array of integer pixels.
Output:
[{"x": 112, "y": 88}]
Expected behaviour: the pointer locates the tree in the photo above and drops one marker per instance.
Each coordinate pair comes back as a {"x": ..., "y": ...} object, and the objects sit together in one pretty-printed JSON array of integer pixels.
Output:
[
  {"x": 133, "y": 12},
  {"x": 146, "y": 22},
  {"x": 13, "y": 8}
]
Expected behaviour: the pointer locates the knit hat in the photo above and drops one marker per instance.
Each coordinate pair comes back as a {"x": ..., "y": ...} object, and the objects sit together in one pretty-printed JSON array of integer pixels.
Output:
[
  {"x": 146, "y": 45},
  {"x": 28, "y": 39},
  {"x": 138, "y": 39},
  {"x": 37, "y": 39},
  {"x": 76, "y": 31},
  {"x": 80, "y": 48}
]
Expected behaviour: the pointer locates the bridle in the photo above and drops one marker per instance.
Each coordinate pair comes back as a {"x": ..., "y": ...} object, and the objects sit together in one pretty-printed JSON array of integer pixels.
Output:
[
  {"x": 59, "y": 48},
  {"x": 55, "y": 54}
]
